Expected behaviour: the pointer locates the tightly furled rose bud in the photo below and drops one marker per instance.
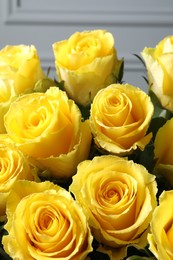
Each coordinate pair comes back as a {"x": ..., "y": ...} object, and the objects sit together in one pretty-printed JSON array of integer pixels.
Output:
[
  {"x": 120, "y": 117},
  {"x": 161, "y": 237},
  {"x": 118, "y": 196},
  {"x": 21, "y": 64},
  {"x": 45, "y": 222},
  {"x": 159, "y": 64},
  {"x": 86, "y": 62},
  {"x": 49, "y": 129}
]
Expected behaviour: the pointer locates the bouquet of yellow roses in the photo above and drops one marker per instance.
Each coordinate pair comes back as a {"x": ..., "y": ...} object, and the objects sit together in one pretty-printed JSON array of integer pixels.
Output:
[{"x": 86, "y": 159}]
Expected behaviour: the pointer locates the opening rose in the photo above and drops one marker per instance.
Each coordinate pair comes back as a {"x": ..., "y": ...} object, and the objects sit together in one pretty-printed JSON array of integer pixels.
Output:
[
  {"x": 13, "y": 166},
  {"x": 159, "y": 64},
  {"x": 45, "y": 222},
  {"x": 161, "y": 237},
  {"x": 48, "y": 128},
  {"x": 120, "y": 117},
  {"x": 86, "y": 62},
  {"x": 21, "y": 64},
  {"x": 118, "y": 196}
]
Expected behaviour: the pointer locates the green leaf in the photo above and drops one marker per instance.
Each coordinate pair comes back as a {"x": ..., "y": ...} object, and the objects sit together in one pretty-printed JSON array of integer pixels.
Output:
[
  {"x": 118, "y": 71},
  {"x": 46, "y": 175},
  {"x": 140, "y": 59},
  {"x": 143, "y": 63},
  {"x": 146, "y": 79},
  {"x": 95, "y": 255},
  {"x": 85, "y": 111},
  {"x": 159, "y": 111},
  {"x": 48, "y": 71},
  {"x": 43, "y": 84},
  {"x": 3, "y": 232},
  {"x": 134, "y": 253},
  {"x": 60, "y": 84},
  {"x": 3, "y": 255},
  {"x": 121, "y": 72},
  {"x": 155, "y": 124}
]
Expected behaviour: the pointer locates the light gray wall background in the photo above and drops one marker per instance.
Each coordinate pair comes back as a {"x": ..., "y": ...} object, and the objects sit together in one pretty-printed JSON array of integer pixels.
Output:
[{"x": 134, "y": 24}]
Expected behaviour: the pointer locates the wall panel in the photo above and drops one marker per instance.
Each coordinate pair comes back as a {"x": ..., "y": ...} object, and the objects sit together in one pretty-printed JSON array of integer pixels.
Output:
[{"x": 134, "y": 24}]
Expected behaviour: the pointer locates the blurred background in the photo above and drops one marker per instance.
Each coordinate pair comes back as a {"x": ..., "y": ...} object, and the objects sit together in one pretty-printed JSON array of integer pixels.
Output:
[{"x": 135, "y": 24}]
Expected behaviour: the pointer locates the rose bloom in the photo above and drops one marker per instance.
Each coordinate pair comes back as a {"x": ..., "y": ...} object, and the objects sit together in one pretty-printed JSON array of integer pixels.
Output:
[
  {"x": 86, "y": 62},
  {"x": 21, "y": 64},
  {"x": 161, "y": 237},
  {"x": 120, "y": 117},
  {"x": 159, "y": 63},
  {"x": 48, "y": 128},
  {"x": 163, "y": 150},
  {"x": 45, "y": 222},
  {"x": 118, "y": 196},
  {"x": 7, "y": 96},
  {"x": 13, "y": 166}
]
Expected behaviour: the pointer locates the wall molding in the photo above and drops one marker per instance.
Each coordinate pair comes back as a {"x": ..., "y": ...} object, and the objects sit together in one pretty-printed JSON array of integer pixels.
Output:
[{"x": 16, "y": 13}]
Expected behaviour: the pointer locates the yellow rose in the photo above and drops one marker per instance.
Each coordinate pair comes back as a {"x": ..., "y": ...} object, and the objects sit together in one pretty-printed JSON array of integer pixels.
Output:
[
  {"x": 21, "y": 64},
  {"x": 159, "y": 63},
  {"x": 48, "y": 128},
  {"x": 161, "y": 237},
  {"x": 163, "y": 150},
  {"x": 118, "y": 196},
  {"x": 13, "y": 166},
  {"x": 86, "y": 62},
  {"x": 120, "y": 116},
  {"x": 44, "y": 222},
  {"x": 7, "y": 96}
]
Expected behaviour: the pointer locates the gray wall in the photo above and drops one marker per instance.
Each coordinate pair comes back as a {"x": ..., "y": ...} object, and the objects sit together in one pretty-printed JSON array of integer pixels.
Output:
[{"x": 134, "y": 24}]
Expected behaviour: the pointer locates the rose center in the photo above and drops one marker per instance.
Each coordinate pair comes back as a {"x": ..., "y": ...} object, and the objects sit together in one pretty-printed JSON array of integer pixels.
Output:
[
  {"x": 84, "y": 45},
  {"x": 37, "y": 118},
  {"x": 46, "y": 222},
  {"x": 112, "y": 192},
  {"x": 114, "y": 101}
]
